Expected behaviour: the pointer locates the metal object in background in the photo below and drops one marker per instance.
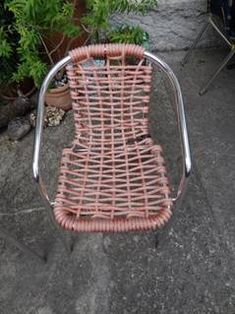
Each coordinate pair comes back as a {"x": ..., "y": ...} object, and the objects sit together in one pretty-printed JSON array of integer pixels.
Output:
[{"x": 229, "y": 41}]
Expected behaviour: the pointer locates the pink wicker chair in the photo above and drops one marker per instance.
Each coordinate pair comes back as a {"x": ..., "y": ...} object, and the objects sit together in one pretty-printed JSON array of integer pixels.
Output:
[{"x": 114, "y": 177}]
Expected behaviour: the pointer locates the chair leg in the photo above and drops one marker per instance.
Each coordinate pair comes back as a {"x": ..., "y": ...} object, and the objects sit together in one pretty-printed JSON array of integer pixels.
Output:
[
  {"x": 71, "y": 244},
  {"x": 58, "y": 234},
  {"x": 21, "y": 246},
  {"x": 197, "y": 39},
  {"x": 162, "y": 234},
  {"x": 218, "y": 70}
]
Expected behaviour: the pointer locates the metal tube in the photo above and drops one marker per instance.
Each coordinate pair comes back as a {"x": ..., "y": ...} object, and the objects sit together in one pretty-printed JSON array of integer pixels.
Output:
[
  {"x": 219, "y": 31},
  {"x": 185, "y": 148},
  {"x": 195, "y": 42},
  {"x": 218, "y": 70},
  {"x": 38, "y": 139},
  {"x": 39, "y": 125}
]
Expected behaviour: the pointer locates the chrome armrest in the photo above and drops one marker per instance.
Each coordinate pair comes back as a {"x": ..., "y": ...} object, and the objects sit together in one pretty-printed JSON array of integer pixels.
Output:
[
  {"x": 39, "y": 127},
  {"x": 181, "y": 121}
]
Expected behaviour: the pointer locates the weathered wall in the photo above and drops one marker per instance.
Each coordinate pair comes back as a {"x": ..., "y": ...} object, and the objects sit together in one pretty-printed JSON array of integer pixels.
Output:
[{"x": 174, "y": 24}]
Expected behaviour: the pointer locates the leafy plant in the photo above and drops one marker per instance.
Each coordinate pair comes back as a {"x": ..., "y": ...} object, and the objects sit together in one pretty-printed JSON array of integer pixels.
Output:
[
  {"x": 26, "y": 27},
  {"x": 8, "y": 44},
  {"x": 128, "y": 34},
  {"x": 97, "y": 20},
  {"x": 34, "y": 21}
]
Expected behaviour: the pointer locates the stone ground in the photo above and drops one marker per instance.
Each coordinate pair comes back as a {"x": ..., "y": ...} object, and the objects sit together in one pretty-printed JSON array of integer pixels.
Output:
[{"x": 191, "y": 270}]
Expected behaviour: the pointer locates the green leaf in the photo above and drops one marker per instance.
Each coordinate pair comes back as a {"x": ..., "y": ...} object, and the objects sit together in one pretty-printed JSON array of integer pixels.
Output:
[
  {"x": 128, "y": 34},
  {"x": 5, "y": 49}
]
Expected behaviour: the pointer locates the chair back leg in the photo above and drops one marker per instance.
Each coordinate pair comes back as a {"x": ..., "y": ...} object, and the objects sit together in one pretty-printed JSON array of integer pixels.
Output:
[{"x": 57, "y": 231}]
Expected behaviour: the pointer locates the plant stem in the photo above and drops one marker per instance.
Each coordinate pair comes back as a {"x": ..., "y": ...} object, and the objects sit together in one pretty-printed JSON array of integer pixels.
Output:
[
  {"x": 46, "y": 49},
  {"x": 70, "y": 43},
  {"x": 97, "y": 36},
  {"x": 57, "y": 46}
]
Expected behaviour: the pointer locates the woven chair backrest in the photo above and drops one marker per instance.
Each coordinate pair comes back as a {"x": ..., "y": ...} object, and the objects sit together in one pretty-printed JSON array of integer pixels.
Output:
[{"x": 110, "y": 90}]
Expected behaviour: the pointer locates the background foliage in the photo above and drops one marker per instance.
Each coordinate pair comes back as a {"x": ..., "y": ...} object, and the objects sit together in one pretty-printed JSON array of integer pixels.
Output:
[
  {"x": 25, "y": 24},
  {"x": 33, "y": 21},
  {"x": 100, "y": 12},
  {"x": 8, "y": 44}
]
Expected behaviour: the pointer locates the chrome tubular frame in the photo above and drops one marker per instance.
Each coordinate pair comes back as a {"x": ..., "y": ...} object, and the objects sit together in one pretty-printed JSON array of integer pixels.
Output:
[
  {"x": 39, "y": 128},
  {"x": 37, "y": 146},
  {"x": 181, "y": 121},
  {"x": 185, "y": 149}
]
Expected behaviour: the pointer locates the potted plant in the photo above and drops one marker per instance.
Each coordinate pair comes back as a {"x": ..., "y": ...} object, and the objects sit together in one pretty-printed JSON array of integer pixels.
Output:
[
  {"x": 46, "y": 30},
  {"x": 35, "y": 23}
]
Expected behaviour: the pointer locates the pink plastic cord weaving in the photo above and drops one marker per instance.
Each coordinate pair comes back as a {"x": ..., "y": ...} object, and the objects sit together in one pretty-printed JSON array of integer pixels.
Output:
[{"x": 114, "y": 176}]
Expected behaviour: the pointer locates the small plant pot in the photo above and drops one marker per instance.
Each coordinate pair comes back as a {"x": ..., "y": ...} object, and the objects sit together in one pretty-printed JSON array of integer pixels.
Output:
[{"x": 59, "y": 97}]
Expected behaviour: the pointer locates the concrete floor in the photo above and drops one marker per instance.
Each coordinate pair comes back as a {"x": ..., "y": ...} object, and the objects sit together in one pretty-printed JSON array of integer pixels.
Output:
[{"x": 192, "y": 268}]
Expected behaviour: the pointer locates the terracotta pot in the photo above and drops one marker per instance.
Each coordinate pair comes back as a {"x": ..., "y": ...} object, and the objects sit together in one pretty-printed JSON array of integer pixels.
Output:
[{"x": 59, "y": 97}]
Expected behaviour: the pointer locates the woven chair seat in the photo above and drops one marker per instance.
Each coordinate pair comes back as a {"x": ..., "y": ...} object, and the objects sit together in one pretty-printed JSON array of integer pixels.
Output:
[
  {"x": 121, "y": 190},
  {"x": 114, "y": 176}
]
